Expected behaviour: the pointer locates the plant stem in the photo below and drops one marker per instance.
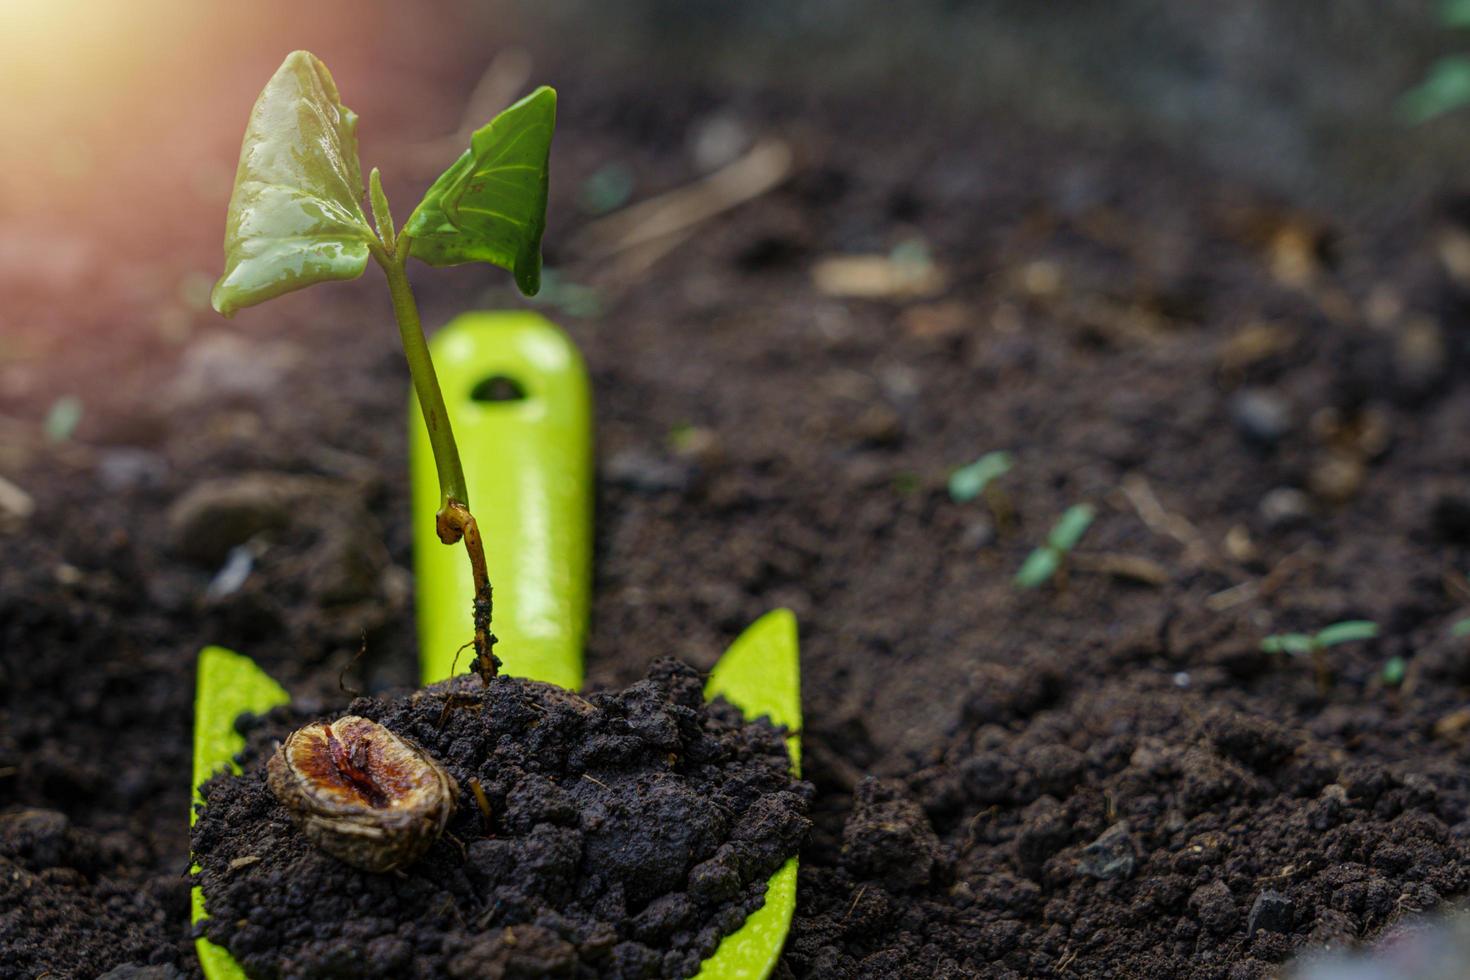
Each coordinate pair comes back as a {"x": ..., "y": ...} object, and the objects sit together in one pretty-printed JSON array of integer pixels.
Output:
[{"x": 453, "y": 522}]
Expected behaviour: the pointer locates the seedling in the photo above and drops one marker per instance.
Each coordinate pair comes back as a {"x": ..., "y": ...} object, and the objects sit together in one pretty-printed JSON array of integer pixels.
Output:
[
  {"x": 1049, "y": 561},
  {"x": 1315, "y": 644},
  {"x": 978, "y": 479},
  {"x": 1461, "y": 628},
  {"x": 1446, "y": 86},
  {"x": 296, "y": 218},
  {"x": 1394, "y": 670}
]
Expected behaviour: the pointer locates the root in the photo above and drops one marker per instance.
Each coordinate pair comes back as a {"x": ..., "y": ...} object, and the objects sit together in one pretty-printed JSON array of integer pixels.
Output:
[{"x": 454, "y": 523}]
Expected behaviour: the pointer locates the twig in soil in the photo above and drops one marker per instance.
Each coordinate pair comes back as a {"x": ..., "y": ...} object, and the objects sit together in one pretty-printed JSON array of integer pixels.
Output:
[
  {"x": 855, "y": 899},
  {"x": 1233, "y": 596},
  {"x": 1134, "y": 568},
  {"x": 342, "y": 674},
  {"x": 597, "y": 781},
  {"x": 1289, "y": 871},
  {"x": 1161, "y": 521},
  {"x": 1273, "y": 580},
  {"x": 449, "y": 905},
  {"x": 454, "y": 662},
  {"x": 1456, "y": 585},
  {"x": 658, "y": 225},
  {"x": 483, "y": 802},
  {"x": 971, "y": 837},
  {"x": 451, "y": 702}
]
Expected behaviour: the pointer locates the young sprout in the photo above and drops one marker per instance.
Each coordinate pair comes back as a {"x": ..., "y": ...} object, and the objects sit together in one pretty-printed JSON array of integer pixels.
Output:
[
  {"x": 1461, "y": 628},
  {"x": 1049, "y": 561},
  {"x": 1394, "y": 670},
  {"x": 980, "y": 479},
  {"x": 1315, "y": 644},
  {"x": 969, "y": 482},
  {"x": 296, "y": 218}
]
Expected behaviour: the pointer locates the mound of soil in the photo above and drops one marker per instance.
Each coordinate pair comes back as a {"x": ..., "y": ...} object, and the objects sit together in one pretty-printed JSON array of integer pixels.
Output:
[{"x": 628, "y": 833}]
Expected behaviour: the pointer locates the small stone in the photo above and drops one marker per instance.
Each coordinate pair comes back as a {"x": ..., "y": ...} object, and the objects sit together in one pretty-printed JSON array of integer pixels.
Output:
[
  {"x": 16, "y": 506},
  {"x": 717, "y": 139},
  {"x": 1336, "y": 478},
  {"x": 212, "y": 517},
  {"x": 232, "y": 574},
  {"x": 1270, "y": 911},
  {"x": 1420, "y": 357},
  {"x": 647, "y": 473},
  {"x": 223, "y": 367},
  {"x": 977, "y": 534},
  {"x": 130, "y": 468},
  {"x": 1284, "y": 508},
  {"x": 1111, "y": 856},
  {"x": 1261, "y": 417}
]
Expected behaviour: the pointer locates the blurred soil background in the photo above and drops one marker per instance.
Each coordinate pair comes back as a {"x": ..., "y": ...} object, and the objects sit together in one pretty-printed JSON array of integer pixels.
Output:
[{"x": 1188, "y": 264}]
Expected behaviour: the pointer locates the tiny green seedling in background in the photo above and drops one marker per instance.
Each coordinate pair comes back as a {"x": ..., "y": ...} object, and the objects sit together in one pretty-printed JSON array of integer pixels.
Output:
[
  {"x": 1315, "y": 644},
  {"x": 1394, "y": 670},
  {"x": 1461, "y": 628},
  {"x": 1049, "y": 561},
  {"x": 607, "y": 189},
  {"x": 969, "y": 482},
  {"x": 979, "y": 479},
  {"x": 296, "y": 218},
  {"x": 63, "y": 418},
  {"x": 1446, "y": 85}
]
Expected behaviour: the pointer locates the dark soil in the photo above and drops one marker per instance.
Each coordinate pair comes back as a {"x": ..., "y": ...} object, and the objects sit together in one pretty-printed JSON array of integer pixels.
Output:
[
  {"x": 628, "y": 833},
  {"x": 1266, "y": 406}
]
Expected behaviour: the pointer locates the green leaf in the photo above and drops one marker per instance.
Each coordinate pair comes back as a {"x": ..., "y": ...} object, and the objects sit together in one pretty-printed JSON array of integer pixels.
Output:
[
  {"x": 1460, "y": 628},
  {"x": 63, "y": 418},
  {"x": 1038, "y": 568},
  {"x": 1296, "y": 644},
  {"x": 1070, "y": 527},
  {"x": 1346, "y": 632},
  {"x": 1445, "y": 88},
  {"x": 1454, "y": 13},
  {"x": 295, "y": 215},
  {"x": 1393, "y": 671},
  {"x": 490, "y": 206},
  {"x": 969, "y": 482}
]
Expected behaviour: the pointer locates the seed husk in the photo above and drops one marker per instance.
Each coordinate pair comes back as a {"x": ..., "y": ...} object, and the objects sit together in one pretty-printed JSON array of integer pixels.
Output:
[{"x": 366, "y": 796}]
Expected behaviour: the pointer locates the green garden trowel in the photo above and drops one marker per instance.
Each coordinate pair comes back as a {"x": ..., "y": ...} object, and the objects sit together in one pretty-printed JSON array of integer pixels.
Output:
[{"x": 519, "y": 403}]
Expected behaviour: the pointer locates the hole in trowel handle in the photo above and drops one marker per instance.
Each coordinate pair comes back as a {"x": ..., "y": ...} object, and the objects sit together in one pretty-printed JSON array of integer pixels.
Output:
[{"x": 498, "y": 388}]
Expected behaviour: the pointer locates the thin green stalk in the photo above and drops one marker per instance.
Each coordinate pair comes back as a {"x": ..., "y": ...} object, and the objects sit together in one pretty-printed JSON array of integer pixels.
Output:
[
  {"x": 454, "y": 522},
  {"x": 425, "y": 382}
]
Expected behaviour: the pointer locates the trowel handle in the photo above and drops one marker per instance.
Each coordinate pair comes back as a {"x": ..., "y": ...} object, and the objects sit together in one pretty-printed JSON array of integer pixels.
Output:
[{"x": 521, "y": 409}]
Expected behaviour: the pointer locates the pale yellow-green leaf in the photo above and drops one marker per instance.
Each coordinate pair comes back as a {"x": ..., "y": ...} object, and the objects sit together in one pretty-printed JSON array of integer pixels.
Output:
[{"x": 295, "y": 215}]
